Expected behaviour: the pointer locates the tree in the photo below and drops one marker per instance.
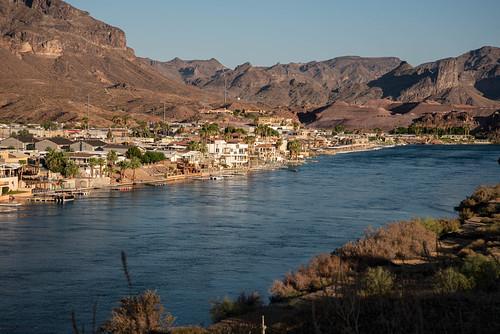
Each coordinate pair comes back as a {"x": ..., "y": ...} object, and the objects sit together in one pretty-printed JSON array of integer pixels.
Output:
[
  {"x": 49, "y": 125},
  {"x": 111, "y": 158},
  {"x": 133, "y": 151},
  {"x": 338, "y": 129},
  {"x": 109, "y": 135},
  {"x": 165, "y": 128},
  {"x": 23, "y": 133},
  {"x": 266, "y": 131},
  {"x": 21, "y": 170},
  {"x": 250, "y": 140},
  {"x": 139, "y": 314},
  {"x": 295, "y": 147},
  {"x": 117, "y": 120},
  {"x": 142, "y": 129},
  {"x": 123, "y": 166},
  {"x": 70, "y": 169},
  {"x": 125, "y": 119},
  {"x": 55, "y": 161},
  {"x": 135, "y": 163},
  {"x": 92, "y": 164},
  {"x": 101, "y": 162},
  {"x": 152, "y": 157},
  {"x": 209, "y": 130},
  {"x": 85, "y": 122},
  {"x": 197, "y": 146}
]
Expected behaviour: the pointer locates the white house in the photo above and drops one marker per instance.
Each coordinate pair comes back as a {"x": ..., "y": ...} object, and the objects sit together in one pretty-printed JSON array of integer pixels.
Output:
[{"x": 232, "y": 154}]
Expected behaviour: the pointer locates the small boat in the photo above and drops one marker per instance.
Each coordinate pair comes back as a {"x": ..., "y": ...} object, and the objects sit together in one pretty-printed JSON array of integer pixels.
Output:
[
  {"x": 295, "y": 170},
  {"x": 216, "y": 178},
  {"x": 123, "y": 188},
  {"x": 10, "y": 205},
  {"x": 4, "y": 209}
]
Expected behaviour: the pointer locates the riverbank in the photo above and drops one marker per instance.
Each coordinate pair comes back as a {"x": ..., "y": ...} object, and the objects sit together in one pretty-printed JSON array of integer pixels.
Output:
[
  {"x": 428, "y": 275},
  {"x": 143, "y": 178}
]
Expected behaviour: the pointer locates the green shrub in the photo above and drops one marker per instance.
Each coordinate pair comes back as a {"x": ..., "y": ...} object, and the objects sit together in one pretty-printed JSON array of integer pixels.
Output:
[
  {"x": 483, "y": 271},
  {"x": 377, "y": 281},
  {"x": 227, "y": 308},
  {"x": 440, "y": 226},
  {"x": 151, "y": 157},
  {"x": 450, "y": 280}
]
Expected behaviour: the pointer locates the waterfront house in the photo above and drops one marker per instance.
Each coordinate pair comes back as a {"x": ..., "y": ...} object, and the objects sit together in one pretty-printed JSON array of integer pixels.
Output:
[
  {"x": 88, "y": 145},
  {"x": 9, "y": 180},
  {"x": 266, "y": 152},
  {"x": 55, "y": 143},
  {"x": 82, "y": 160},
  {"x": 232, "y": 153},
  {"x": 24, "y": 143}
]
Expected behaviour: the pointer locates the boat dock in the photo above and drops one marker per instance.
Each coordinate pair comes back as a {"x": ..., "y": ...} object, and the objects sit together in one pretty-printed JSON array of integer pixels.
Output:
[{"x": 61, "y": 196}]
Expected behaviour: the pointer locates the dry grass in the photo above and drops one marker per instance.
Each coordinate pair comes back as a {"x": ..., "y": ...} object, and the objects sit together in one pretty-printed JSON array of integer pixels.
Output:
[
  {"x": 139, "y": 314},
  {"x": 402, "y": 241},
  {"x": 322, "y": 271}
]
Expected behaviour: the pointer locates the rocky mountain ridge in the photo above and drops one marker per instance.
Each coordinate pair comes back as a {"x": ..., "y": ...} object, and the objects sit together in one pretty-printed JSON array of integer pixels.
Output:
[{"x": 56, "y": 57}]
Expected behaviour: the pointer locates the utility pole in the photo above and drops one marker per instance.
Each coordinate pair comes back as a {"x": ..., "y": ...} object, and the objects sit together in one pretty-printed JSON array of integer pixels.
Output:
[
  {"x": 263, "y": 326},
  {"x": 88, "y": 113},
  {"x": 225, "y": 87}
]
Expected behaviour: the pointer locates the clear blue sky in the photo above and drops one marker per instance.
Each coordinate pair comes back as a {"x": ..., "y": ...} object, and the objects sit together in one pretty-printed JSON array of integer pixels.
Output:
[{"x": 265, "y": 32}]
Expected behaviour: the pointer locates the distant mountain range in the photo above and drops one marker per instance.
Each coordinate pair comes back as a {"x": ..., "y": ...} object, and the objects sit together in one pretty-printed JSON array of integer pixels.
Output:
[{"x": 54, "y": 56}]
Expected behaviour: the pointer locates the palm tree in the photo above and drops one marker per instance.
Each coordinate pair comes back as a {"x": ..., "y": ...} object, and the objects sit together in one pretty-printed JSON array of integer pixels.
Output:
[
  {"x": 111, "y": 157},
  {"x": 92, "y": 164},
  {"x": 101, "y": 162},
  {"x": 134, "y": 163},
  {"x": 85, "y": 122},
  {"x": 21, "y": 170},
  {"x": 165, "y": 127},
  {"x": 123, "y": 165},
  {"x": 117, "y": 120},
  {"x": 125, "y": 119}
]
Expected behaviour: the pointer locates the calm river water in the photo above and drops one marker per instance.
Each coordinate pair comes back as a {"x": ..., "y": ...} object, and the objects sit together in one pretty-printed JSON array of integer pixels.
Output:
[{"x": 196, "y": 241}]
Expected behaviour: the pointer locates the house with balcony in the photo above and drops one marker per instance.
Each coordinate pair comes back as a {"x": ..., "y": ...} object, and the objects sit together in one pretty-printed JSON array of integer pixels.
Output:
[{"x": 233, "y": 154}]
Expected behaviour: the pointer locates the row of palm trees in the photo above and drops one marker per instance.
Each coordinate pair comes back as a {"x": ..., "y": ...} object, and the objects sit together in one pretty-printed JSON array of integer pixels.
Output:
[{"x": 109, "y": 165}]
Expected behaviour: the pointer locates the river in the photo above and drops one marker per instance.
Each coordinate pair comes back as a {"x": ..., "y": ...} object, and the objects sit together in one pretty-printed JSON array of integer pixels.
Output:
[{"x": 197, "y": 241}]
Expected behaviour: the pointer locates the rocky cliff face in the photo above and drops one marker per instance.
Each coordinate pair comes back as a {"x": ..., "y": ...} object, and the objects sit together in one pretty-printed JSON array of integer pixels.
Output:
[
  {"x": 51, "y": 27},
  {"x": 54, "y": 55},
  {"x": 472, "y": 79},
  {"x": 297, "y": 85}
]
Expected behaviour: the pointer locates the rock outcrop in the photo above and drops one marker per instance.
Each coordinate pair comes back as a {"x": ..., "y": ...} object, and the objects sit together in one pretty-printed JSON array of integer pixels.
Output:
[{"x": 54, "y": 56}]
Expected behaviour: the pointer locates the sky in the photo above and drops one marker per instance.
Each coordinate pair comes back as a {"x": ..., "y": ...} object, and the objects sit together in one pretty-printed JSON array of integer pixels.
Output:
[{"x": 266, "y": 32}]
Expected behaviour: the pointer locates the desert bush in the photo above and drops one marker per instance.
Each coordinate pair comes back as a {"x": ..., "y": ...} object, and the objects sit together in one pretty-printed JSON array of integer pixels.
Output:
[
  {"x": 140, "y": 314},
  {"x": 479, "y": 203},
  {"x": 403, "y": 240},
  {"x": 323, "y": 270},
  {"x": 440, "y": 226},
  {"x": 483, "y": 271},
  {"x": 450, "y": 280},
  {"x": 227, "y": 308},
  {"x": 377, "y": 281}
]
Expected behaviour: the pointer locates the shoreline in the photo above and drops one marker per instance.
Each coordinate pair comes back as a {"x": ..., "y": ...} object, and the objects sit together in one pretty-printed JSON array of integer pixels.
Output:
[{"x": 27, "y": 198}]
